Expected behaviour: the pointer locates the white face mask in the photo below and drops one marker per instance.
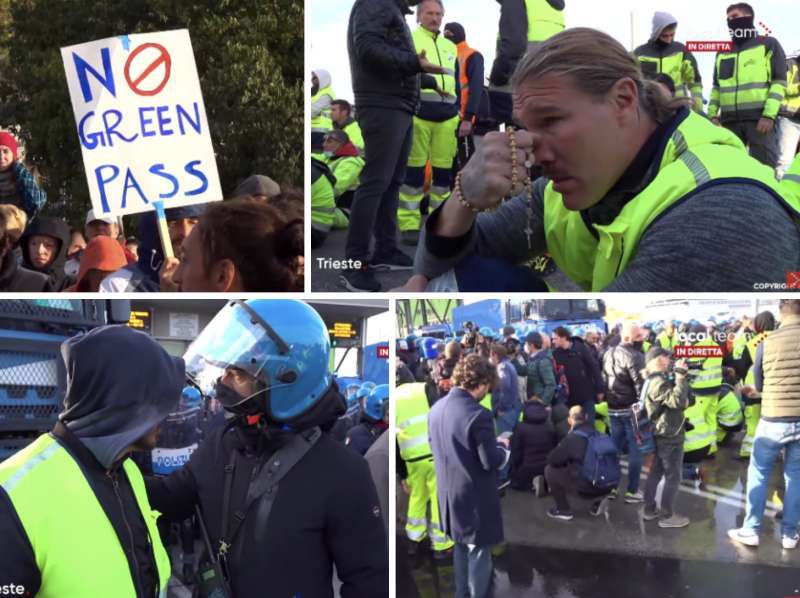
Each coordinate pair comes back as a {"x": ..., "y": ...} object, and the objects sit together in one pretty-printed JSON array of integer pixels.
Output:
[{"x": 329, "y": 154}]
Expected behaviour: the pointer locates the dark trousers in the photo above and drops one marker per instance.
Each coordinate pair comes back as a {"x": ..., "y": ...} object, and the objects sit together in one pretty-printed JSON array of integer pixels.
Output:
[
  {"x": 387, "y": 142},
  {"x": 763, "y": 148},
  {"x": 668, "y": 463},
  {"x": 563, "y": 481}
]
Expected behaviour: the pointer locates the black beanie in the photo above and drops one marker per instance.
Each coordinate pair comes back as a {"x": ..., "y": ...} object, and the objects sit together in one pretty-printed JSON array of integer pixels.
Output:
[{"x": 457, "y": 34}]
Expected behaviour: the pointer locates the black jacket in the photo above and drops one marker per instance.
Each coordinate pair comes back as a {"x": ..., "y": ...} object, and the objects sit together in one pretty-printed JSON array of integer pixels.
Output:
[
  {"x": 533, "y": 440},
  {"x": 622, "y": 367},
  {"x": 570, "y": 453},
  {"x": 325, "y": 513},
  {"x": 58, "y": 230},
  {"x": 383, "y": 61},
  {"x": 361, "y": 436},
  {"x": 16, "y": 279},
  {"x": 115, "y": 495},
  {"x": 582, "y": 372}
]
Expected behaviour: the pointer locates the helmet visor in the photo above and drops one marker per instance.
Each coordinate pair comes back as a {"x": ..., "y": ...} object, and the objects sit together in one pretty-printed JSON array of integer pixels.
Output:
[{"x": 237, "y": 338}]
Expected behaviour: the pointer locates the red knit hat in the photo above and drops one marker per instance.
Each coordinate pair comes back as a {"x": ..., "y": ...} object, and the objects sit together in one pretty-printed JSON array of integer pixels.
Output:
[{"x": 9, "y": 141}]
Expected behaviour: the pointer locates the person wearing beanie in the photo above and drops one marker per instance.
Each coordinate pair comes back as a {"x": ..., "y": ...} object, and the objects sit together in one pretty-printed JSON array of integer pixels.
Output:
[
  {"x": 14, "y": 277},
  {"x": 470, "y": 70},
  {"x": 103, "y": 256},
  {"x": 259, "y": 187},
  {"x": 18, "y": 187},
  {"x": 666, "y": 395},
  {"x": 662, "y": 55},
  {"x": 346, "y": 164}
]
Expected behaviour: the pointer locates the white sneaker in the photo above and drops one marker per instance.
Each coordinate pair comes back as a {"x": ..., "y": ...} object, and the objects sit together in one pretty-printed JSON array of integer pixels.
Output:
[
  {"x": 790, "y": 542},
  {"x": 743, "y": 536}
]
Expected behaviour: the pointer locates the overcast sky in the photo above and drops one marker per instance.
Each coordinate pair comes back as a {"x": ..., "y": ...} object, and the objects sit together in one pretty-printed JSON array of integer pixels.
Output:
[{"x": 629, "y": 21}]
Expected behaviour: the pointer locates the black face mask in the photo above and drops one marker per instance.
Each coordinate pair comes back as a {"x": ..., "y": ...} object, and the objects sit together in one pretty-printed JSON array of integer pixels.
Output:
[
  {"x": 314, "y": 88},
  {"x": 236, "y": 403},
  {"x": 741, "y": 28},
  {"x": 661, "y": 44},
  {"x": 638, "y": 345}
]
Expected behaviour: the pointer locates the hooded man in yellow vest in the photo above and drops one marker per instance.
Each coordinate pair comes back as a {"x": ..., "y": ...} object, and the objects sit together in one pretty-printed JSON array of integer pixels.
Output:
[
  {"x": 435, "y": 124},
  {"x": 662, "y": 54},
  {"x": 74, "y": 513},
  {"x": 321, "y": 97},
  {"x": 625, "y": 166},
  {"x": 749, "y": 85},
  {"x": 763, "y": 324},
  {"x": 789, "y": 119}
]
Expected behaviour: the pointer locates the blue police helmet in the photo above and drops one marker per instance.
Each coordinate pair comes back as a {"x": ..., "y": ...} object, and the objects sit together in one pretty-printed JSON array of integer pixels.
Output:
[
  {"x": 190, "y": 397},
  {"x": 486, "y": 332},
  {"x": 377, "y": 402},
  {"x": 364, "y": 390},
  {"x": 411, "y": 339},
  {"x": 282, "y": 343},
  {"x": 430, "y": 348}
]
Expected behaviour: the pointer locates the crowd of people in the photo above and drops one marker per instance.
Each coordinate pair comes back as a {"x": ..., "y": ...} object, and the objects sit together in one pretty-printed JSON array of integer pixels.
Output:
[
  {"x": 613, "y": 143},
  {"x": 553, "y": 414},
  {"x": 252, "y": 241}
]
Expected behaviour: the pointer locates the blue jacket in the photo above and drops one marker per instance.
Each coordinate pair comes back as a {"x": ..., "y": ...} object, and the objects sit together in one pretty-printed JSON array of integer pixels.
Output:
[
  {"x": 469, "y": 506},
  {"x": 505, "y": 396}
]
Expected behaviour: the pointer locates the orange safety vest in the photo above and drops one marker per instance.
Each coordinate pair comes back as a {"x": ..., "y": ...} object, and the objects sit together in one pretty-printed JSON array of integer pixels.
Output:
[{"x": 464, "y": 52}]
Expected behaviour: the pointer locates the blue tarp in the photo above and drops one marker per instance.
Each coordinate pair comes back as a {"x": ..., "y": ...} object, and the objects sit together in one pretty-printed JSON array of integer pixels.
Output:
[
  {"x": 376, "y": 368},
  {"x": 488, "y": 312}
]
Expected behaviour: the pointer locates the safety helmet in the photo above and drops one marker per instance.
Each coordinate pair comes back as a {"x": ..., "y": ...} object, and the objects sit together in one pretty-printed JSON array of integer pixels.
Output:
[
  {"x": 430, "y": 348},
  {"x": 282, "y": 343},
  {"x": 364, "y": 390},
  {"x": 377, "y": 402},
  {"x": 486, "y": 332},
  {"x": 402, "y": 345},
  {"x": 350, "y": 393},
  {"x": 579, "y": 331},
  {"x": 411, "y": 339}
]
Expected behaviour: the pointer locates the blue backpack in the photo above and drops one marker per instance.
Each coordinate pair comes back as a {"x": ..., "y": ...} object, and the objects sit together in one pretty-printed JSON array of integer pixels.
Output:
[{"x": 600, "y": 462}]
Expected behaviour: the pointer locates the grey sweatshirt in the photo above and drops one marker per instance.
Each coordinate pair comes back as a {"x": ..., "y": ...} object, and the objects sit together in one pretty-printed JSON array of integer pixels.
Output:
[{"x": 728, "y": 237}]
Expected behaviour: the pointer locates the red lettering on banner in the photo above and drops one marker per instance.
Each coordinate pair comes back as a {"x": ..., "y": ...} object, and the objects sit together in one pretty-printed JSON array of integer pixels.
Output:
[
  {"x": 383, "y": 352},
  {"x": 709, "y": 46}
]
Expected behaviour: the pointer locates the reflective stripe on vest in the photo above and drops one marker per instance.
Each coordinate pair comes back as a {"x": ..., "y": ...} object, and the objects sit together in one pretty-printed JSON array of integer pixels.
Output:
[
  {"x": 411, "y": 417},
  {"x": 701, "y": 435},
  {"x": 440, "y": 51},
  {"x": 544, "y": 21},
  {"x": 464, "y": 52},
  {"x": 697, "y": 153},
  {"x": 710, "y": 376},
  {"x": 790, "y": 183},
  {"x": 323, "y": 204},
  {"x": 745, "y": 79},
  {"x": 791, "y": 104},
  {"x": 76, "y": 548}
]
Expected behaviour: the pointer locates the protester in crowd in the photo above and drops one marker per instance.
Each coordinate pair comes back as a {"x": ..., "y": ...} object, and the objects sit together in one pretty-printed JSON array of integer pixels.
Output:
[
  {"x": 594, "y": 89},
  {"x": 77, "y": 244},
  {"x": 443, "y": 373},
  {"x": 321, "y": 97},
  {"x": 342, "y": 117},
  {"x": 467, "y": 456},
  {"x": 564, "y": 472},
  {"x": 749, "y": 85},
  {"x": 788, "y": 127},
  {"x": 669, "y": 62},
  {"x": 239, "y": 245},
  {"x": 259, "y": 187},
  {"x": 323, "y": 202},
  {"x": 531, "y": 443},
  {"x": 581, "y": 370},
  {"x": 103, "y": 256},
  {"x": 143, "y": 276},
  {"x": 776, "y": 374},
  {"x": 622, "y": 367},
  {"x": 665, "y": 401},
  {"x": 385, "y": 69},
  {"x": 346, "y": 165},
  {"x": 44, "y": 249},
  {"x": 13, "y": 277},
  {"x": 541, "y": 375},
  {"x": 18, "y": 187},
  {"x": 506, "y": 404},
  {"x": 132, "y": 245}
]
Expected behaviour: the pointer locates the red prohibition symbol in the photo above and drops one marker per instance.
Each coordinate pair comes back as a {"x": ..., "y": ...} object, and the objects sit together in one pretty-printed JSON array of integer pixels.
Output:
[{"x": 163, "y": 57}]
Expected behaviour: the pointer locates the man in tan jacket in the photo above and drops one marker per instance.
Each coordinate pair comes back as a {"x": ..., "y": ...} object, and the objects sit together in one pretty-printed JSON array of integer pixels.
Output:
[{"x": 777, "y": 377}]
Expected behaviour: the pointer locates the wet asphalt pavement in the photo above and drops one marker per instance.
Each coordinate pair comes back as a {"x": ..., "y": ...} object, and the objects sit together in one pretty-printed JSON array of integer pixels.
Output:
[{"x": 620, "y": 555}]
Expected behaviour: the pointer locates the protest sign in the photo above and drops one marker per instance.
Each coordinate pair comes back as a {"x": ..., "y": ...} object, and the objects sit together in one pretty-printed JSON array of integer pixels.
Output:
[{"x": 141, "y": 122}]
